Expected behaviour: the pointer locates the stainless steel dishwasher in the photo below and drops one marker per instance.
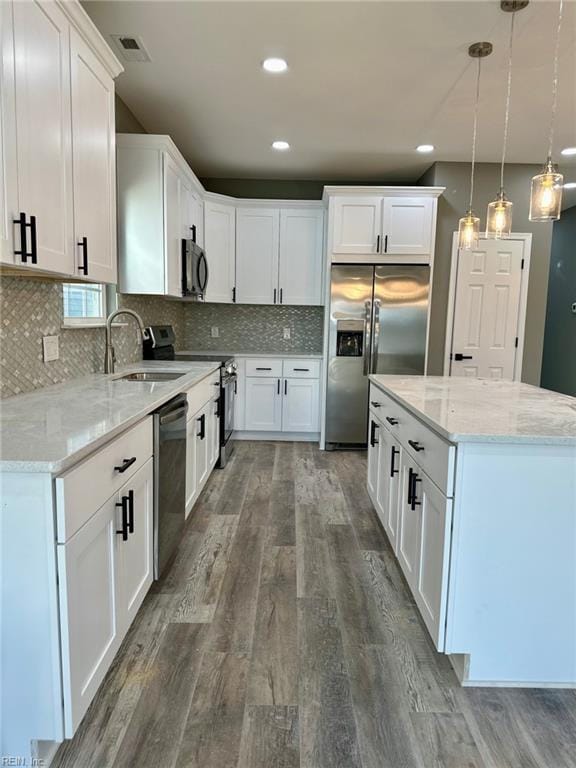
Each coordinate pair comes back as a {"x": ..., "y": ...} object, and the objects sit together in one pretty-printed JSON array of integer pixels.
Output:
[{"x": 169, "y": 480}]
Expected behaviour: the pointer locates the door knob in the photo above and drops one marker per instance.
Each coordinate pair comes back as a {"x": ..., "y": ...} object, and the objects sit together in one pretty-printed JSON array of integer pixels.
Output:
[{"x": 459, "y": 356}]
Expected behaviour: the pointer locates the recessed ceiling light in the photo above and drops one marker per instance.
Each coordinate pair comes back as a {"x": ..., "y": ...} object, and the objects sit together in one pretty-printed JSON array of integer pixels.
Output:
[
  {"x": 281, "y": 146},
  {"x": 275, "y": 65},
  {"x": 568, "y": 151},
  {"x": 425, "y": 148},
  {"x": 570, "y": 185}
]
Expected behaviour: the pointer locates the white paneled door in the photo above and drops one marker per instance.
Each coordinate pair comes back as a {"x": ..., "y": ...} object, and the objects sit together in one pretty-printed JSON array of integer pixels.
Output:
[
  {"x": 486, "y": 310},
  {"x": 300, "y": 275},
  {"x": 407, "y": 225},
  {"x": 357, "y": 224},
  {"x": 172, "y": 228},
  {"x": 257, "y": 245},
  {"x": 219, "y": 236}
]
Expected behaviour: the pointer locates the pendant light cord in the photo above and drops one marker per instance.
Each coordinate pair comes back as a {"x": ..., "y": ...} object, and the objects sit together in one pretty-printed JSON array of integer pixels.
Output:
[
  {"x": 555, "y": 81},
  {"x": 507, "y": 112},
  {"x": 474, "y": 133}
]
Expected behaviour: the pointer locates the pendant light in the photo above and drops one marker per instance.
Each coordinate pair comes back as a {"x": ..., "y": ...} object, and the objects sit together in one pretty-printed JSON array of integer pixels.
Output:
[
  {"x": 499, "y": 215},
  {"x": 469, "y": 225},
  {"x": 546, "y": 188}
]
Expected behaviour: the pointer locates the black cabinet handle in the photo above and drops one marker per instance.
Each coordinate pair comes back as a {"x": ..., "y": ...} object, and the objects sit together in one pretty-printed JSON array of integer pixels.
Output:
[
  {"x": 393, "y": 471},
  {"x": 234, "y": 295},
  {"x": 375, "y": 404},
  {"x": 378, "y": 244},
  {"x": 274, "y": 295},
  {"x": 84, "y": 245},
  {"x": 263, "y": 369},
  {"x": 130, "y": 511},
  {"x": 281, "y": 295},
  {"x": 193, "y": 228},
  {"x": 235, "y": 386},
  {"x": 373, "y": 428},
  {"x": 392, "y": 421},
  {"x": 125, "y": 464},
  {"x": 124, "y": 529},
  {"x": 386, "y": 244},
  {"x": 285, "y": 386},
  {"x": 23, "y": 252},
  {"x": 202, "y": 420},
  {"x": 278, "y": 390},
  {"x": 410, "y": 475},
  {"x": 302, "y": 369},
  {"x": 416, "y": 445},
  {"x": 217, "y": 411},
  {"x": 34, "y": 244},
  {"x": 459, "y": 356},
  {"x": 413, "y": 502}
]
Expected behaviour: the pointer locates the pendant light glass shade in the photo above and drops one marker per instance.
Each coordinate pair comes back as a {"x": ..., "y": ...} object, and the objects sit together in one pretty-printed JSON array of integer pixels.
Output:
[
  {"x": 468, "y": 231},
  {"x": 546, "y": 194},
  {"x": 499, "y": 217}
]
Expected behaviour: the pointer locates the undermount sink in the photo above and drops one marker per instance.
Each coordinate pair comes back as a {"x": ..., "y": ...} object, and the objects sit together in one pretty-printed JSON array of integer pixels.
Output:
[{"x": 151, "y": 376}]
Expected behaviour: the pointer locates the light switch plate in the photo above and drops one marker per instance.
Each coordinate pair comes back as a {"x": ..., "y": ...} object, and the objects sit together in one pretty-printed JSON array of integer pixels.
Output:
[
  {"x": 286, "y": 333},
  {"x": 215, "y": 332},
  {"x": 51, "y": 348}
]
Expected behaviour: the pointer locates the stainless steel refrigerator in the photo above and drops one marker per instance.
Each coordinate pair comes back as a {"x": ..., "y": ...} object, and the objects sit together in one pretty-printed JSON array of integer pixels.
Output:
[{"x": 378, "y": 320}]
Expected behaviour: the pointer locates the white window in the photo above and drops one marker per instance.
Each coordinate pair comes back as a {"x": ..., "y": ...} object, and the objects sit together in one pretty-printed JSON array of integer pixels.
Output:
[{"x": 84, "y": 304}]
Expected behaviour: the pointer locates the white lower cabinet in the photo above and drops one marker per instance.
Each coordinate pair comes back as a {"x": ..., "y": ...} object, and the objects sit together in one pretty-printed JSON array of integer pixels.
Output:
[
  {"x": 300, "y": 405},
  {"x": 202, "y": 445},
  {"x": 191, "y": 484},
  {"x": 388, "y": 493},
  {"x": 105, "y": 571},
  {"x": 408, "y": 550},
  {"x": 263, "y": 404},
  {"x": 202, "y": 437},
  {"x": 374, "y": 434},
  {"x": 214, "y": 432}
]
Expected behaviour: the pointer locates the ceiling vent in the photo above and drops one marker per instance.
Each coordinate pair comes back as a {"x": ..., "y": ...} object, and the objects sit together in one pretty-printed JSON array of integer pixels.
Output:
[{"x": 130, "y": 48}]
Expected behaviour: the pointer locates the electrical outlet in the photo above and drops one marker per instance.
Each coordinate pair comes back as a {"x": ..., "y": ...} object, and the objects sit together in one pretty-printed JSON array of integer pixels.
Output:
[
  {"x": 286, "y": 333},
  {"x": 215, "y": 332},
  {"x": 51, "y": 348}
]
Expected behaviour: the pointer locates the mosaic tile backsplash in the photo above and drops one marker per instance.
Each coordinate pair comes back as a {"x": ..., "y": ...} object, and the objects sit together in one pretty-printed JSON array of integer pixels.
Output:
[
  {"x": 32, "y": 308},
  {"x": 254, "y": 328}
]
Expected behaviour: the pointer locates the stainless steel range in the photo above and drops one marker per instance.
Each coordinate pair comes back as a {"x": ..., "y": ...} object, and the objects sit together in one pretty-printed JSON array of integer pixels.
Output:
[{"x": 160, "y": 346}]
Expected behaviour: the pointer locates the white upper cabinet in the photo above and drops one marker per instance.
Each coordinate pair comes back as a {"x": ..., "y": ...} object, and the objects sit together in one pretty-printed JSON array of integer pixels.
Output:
[
  {"x": 57, "y": 133},
  {"x": 387, "y": 225},
  {"x": 219, "y": 239},
  {"x": 301, "y": 256},
  {"x": 42, "y": 85},
  {"x": 192, "y": 209},
  {"x": 407, "y": 224},
  {"x": 257, "y": 243},
  {"x": 94, "y": 166},
  {"x": 356, "y": 225},
  {"x": 172, "y": 228}
]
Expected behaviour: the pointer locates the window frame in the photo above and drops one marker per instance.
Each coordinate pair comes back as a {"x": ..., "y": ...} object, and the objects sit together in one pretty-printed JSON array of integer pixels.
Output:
[{"x": 84, "y": 321}]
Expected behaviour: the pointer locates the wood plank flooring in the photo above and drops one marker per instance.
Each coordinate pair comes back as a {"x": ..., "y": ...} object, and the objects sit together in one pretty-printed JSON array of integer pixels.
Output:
[{"x": 284, "y": 636}]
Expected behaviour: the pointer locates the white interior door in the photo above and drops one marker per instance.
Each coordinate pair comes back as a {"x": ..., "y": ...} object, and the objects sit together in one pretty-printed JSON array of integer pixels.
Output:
[
  {"x": 301, "y": 234},
  {"x": 486, "y": 310},
  {"x": 93, "y": 160},
  {"x": 219, "y": 235},
  {"x": 257, "y": 243},
  {"x": 43, "y": 126}
]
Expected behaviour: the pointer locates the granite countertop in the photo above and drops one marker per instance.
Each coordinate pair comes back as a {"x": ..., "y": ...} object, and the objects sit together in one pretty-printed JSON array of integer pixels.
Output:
[
  {"x": 484, "y": 410},
  {"x": 225, "y": 353},
  {"x": 51, "y": 429}
]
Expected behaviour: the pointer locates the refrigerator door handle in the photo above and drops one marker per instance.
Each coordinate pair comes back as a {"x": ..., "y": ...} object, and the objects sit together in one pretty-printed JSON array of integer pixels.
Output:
[
  {"x": 367, "y": 336},
  {"x": 375, "y": 335}
]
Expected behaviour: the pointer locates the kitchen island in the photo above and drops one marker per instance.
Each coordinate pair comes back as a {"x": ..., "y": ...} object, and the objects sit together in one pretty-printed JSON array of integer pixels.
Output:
[{"x": 474, "y": 482}]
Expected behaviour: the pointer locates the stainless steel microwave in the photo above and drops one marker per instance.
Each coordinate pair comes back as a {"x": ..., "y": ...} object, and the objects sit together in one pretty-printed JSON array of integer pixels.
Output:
[{"x": 194, "y": 270}]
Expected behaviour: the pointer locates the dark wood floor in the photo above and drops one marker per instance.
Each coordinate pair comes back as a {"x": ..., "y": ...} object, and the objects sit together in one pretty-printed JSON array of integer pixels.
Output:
[{"x": 284, "y": 636}]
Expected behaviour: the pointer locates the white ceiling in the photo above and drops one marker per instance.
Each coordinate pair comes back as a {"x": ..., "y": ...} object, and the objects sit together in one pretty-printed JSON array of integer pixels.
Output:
[{"x": 367, "y": 82}]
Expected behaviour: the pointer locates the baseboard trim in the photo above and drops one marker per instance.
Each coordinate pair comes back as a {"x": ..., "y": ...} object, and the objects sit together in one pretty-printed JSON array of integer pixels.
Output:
[{"x": 290, "y": 437}]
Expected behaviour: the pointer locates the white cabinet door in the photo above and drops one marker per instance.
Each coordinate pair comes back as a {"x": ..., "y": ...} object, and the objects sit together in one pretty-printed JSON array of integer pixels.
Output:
[
  {"x": 356, "y": 225},
  {"x": 191, "y": 447},
  {"x": 389, "y": 485},
  {"x": 407, "y": 226},
  {"x": 219, "y": 237},
  {"x": 8, "y": 168},
  {"x": 375, "y": 431},
  {"x": 431, "y": 586},
  {"x": 172, "y": 228},
  {"x": 257, "y": 243},
  {"x": 135, "y": 555},
  {"x": 93, "y": 162},
  {"x": 202, "y": 446},
  {"x": 301, "y": 256},
  {"x": 88, "y": 604},
  {"x": 214, "y": 432},
  {"x": 192, "y": 213},
  {"x": 43, "y": 127},
  {"x": 409, "y": 523},
  {"x": 263, "y": 404},
  {"x": 300, "y": 405}
]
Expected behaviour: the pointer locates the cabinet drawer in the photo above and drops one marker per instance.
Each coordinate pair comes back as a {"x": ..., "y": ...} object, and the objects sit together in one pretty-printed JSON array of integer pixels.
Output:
[
  {"x": 84, "y": 488},
  {"x": 264, "y": 367},
  {"x": 203, "y": 392},
  {"x": 302, "y": 369},
  {"x": 434, "y": 454}
]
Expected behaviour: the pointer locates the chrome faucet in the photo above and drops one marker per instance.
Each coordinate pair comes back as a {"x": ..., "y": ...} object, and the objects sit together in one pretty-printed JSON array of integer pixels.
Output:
[{"x": 110, "y": 357}]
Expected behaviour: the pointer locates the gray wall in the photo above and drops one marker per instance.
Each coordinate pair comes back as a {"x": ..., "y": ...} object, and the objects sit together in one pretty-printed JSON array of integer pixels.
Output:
[
  {"x": 126, "y": 122},
  {"x": 281, "y": 189},
  {"x": 451, "y": 206},
  {"x": 559, "y": 360}
]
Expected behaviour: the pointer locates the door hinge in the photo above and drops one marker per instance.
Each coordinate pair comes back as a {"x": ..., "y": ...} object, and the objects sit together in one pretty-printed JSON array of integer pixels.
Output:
[
  {"x": 522, "y": 264},
  {"x": 516, "y": 342}
]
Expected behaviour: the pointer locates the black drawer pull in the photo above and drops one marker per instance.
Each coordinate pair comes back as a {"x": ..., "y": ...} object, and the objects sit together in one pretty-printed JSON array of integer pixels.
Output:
[
  {"x": 393, "y": 471},
  {"x": 217, "y": 411},
  {"x": 373, "y": 428},
  {"x": 416, "y": 445},
  {"x": 302, "y": 369},
  {"x": 127, "y": 463},
  {"x": 392, "y": 421},
  {"x": 124, "y": 529},
  {"x": 410, "y": 475},
  {"x": 285, "y": 386},
  {"x": 375, "y": 404},
  {"x": 202, "y": 433},
  {"x": 263, "y": 369},
  {"x": 130, "y": 511},
  {"x": 413, "y": 502}
]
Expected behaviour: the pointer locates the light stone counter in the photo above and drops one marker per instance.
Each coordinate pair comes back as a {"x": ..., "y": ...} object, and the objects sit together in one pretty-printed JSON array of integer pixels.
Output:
[
  {"x": 483, "y": 410},
  {"x": 52, "y": 428}
]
